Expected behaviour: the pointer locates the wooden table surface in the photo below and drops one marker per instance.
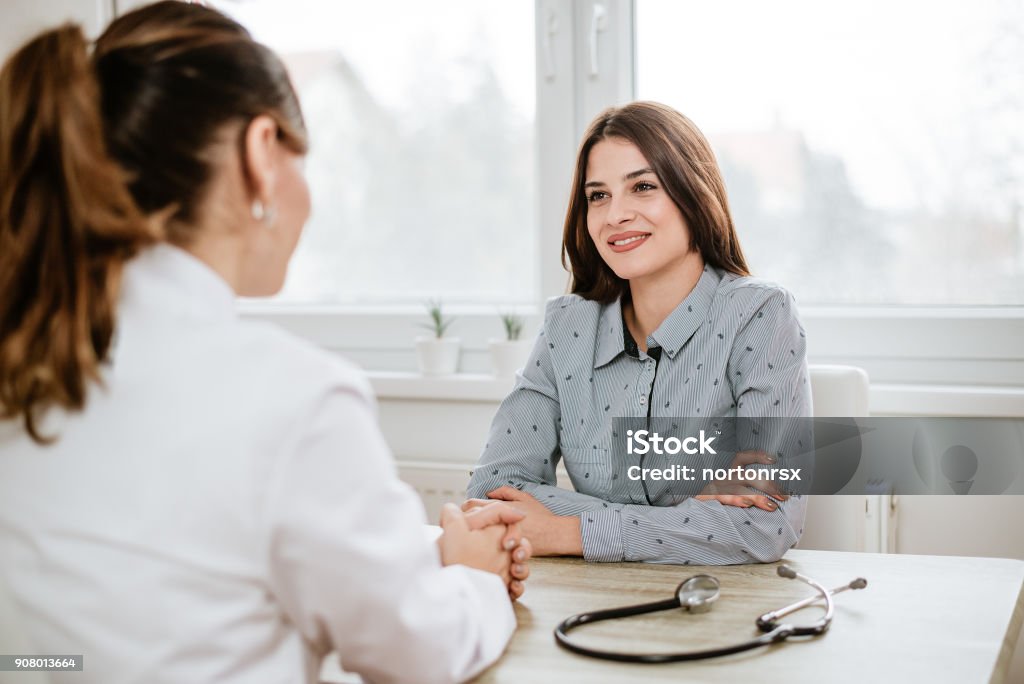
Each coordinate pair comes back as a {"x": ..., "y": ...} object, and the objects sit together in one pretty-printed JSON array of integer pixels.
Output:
[{"x": 924, "y": 618}]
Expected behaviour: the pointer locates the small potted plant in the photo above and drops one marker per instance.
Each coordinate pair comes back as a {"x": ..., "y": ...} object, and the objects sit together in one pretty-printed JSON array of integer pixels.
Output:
[
  {"x": 510, "y": 354},
  {"x": 437, "y": 354}
]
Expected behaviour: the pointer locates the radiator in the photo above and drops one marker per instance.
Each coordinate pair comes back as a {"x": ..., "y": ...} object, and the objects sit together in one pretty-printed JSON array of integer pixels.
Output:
[
  {"x": 439, "y": 483},
  {"x": 436, "y": 483}
]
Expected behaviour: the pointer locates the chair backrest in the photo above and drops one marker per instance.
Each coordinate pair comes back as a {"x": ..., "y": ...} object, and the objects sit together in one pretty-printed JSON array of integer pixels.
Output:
[
  {"x": 836, "y": 523},
  {"x": 839, "y": 391},
  {"x": 13, "y": 639}
]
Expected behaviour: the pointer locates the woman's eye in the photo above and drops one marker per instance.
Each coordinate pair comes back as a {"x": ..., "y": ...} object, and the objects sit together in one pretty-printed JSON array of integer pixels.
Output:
[
  {"x": 596, "y": 196},
  {"x": 644, "y": 186}
]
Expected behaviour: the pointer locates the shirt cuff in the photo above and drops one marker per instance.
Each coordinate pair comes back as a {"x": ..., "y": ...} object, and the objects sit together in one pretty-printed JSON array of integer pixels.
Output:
[{"x": 601, "y": 532}]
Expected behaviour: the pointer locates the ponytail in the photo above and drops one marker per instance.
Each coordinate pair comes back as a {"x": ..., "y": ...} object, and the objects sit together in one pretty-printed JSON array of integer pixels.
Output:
[
  {"x": 91, "y": 149},
  {"x": 67, "y": 225}
]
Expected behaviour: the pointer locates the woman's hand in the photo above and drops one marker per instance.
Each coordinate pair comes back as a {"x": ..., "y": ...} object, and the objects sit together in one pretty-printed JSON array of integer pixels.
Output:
[
  {"x": 741, "y": 493},
  {"x": 493, "y": 513},
  {"x": 482, "y": 549},
  {"x": 549, "y": 534}
]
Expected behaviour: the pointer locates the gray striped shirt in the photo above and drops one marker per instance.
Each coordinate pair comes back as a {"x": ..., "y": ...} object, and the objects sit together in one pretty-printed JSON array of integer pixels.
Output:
[{"x": 733, "y": 348}]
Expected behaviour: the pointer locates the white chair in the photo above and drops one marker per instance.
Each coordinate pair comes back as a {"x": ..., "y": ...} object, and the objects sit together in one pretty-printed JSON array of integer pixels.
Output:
[
  {"x": 836, "y": 523},
  {"x": 839, "y": 391},
  {"x": 13, "y": 639}
]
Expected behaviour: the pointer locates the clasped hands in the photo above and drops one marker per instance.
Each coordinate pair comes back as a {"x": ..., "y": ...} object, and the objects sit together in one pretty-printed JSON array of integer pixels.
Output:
[{"x": 488, "y": 538}]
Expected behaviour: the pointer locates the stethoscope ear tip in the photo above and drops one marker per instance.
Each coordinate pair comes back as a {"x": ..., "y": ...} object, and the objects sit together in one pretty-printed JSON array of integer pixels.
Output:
[{"x": 786, "y": 571}]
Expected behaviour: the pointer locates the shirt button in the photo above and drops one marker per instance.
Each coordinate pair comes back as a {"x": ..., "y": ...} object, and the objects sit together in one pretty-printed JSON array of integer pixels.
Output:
[{"x": 643, "y": 400}]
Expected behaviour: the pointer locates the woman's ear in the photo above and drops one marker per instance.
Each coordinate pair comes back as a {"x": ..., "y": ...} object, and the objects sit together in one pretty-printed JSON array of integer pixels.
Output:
[{"x": 259, "y": 159}]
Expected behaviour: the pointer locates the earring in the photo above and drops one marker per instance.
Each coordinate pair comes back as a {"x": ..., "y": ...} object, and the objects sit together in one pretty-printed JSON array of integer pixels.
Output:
[{"x": 264, "y": 213}]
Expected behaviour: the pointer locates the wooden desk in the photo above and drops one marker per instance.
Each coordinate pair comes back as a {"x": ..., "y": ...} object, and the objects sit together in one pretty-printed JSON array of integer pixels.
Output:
[{"x": 921, "y": 618}]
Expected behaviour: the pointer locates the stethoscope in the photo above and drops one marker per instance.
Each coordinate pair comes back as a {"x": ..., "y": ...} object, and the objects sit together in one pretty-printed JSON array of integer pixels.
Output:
[{"x": 695, "y": 595}]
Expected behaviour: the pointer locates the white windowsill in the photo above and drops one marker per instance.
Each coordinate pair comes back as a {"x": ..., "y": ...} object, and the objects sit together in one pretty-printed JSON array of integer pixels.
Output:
[
  {"x": 947, "y": 400},
  {"x": 892, "y": 399},
  {"x": 458, "y": 387}
]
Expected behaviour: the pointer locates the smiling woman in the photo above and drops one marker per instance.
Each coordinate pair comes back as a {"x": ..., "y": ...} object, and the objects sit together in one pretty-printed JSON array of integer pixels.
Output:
[
  {"x": 664, "y": 320},
  {"x": 667, "y": 170}
]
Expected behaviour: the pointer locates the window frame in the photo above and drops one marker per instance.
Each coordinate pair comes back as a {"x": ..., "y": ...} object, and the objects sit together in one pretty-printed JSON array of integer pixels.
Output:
[{"x": 969, "y": 347}]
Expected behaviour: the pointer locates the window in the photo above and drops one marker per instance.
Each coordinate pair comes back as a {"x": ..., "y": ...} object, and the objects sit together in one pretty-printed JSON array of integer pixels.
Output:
[
  {"x": 422, "y": 164},
  {"x": 873, "y": 151},
  {"x": 873, "y": 154}
]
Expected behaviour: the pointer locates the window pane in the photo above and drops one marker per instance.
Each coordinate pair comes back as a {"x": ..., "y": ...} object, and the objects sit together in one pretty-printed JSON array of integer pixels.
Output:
[
  {"x": 874, "y": 151},
  {"x": 421, "y": 120}
]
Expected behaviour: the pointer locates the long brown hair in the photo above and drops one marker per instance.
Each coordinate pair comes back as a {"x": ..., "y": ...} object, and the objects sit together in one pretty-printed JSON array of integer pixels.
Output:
[
  {"x": 684, "y": 163},
  {"x": 92, "y": 147}
]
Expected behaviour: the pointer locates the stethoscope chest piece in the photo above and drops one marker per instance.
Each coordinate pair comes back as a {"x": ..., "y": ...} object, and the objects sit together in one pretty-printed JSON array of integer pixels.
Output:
[{"x": 698, "y": 593}]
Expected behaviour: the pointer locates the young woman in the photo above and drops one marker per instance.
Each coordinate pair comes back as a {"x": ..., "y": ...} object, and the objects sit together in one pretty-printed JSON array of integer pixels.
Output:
[
  {"x": 186, "y": 496},
  {"x": 664, "y": 320}
]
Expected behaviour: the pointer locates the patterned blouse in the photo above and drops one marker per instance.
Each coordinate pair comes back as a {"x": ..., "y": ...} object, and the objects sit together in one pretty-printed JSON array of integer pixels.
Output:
[{"x": 733, "y": 348}]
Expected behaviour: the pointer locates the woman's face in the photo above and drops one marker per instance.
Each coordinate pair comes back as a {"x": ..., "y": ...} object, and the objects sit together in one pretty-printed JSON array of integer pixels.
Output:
[{"x": 637, "y": 228}]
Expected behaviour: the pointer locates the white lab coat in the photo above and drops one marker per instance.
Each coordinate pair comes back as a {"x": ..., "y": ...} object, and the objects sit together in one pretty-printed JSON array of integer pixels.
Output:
[{"x": 226, "y": 510}]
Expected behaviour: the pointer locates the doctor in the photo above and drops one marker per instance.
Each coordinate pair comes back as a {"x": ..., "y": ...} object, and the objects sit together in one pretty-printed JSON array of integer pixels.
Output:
[{"x": 186, "y": 496}]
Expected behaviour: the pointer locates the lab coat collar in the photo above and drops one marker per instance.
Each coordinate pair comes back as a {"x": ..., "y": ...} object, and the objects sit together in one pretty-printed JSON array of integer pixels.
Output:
[{"x": 179, "y": 283}]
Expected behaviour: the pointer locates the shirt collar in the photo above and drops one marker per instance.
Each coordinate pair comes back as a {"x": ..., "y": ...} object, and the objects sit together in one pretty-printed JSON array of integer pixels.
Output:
[
  {"x": 673, "y": 332},
  {"x": 609, "y": 334}
]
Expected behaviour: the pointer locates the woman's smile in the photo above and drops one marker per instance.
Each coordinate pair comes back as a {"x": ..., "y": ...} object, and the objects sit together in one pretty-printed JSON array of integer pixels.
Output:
[{"x": 624, "y": 242}]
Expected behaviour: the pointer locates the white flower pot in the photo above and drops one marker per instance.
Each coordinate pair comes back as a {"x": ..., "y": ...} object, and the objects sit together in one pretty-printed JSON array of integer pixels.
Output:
[
  {"x": 437, "y": 356},
  {"x": 507, "y": 357}
]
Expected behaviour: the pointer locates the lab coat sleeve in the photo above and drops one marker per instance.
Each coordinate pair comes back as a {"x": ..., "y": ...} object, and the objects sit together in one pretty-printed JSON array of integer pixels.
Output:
[
  {"x": 351, "y": 565},
  {"x": 768, "y": 371}
]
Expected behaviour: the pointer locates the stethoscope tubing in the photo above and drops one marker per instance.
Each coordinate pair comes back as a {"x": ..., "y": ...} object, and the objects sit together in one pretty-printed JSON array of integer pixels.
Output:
[{"x": 779, "y": 634}]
